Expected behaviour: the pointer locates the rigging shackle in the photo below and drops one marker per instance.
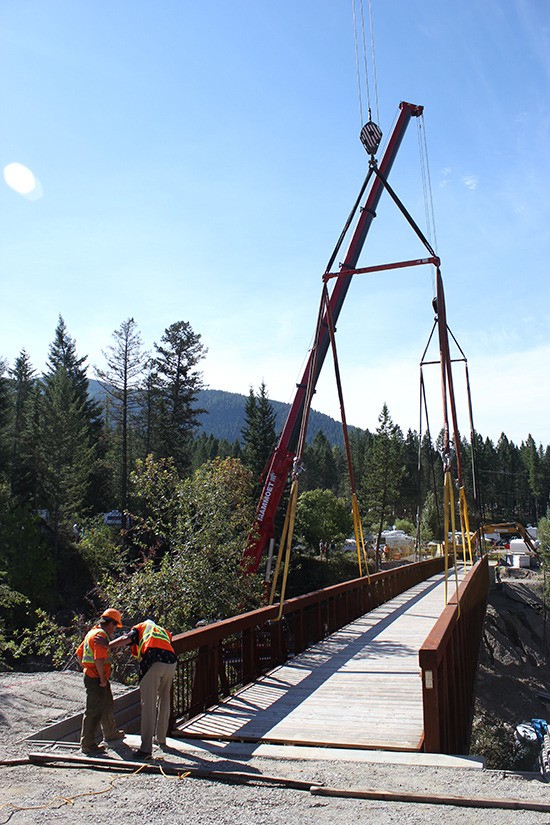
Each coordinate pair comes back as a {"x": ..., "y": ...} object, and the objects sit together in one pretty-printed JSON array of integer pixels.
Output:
[{"x": 370, "y": 136}]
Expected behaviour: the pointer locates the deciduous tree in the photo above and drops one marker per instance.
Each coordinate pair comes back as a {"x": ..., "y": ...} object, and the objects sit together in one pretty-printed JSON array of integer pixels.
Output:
[
  {"x": 322, "y": 517},
  {"x": 199, "y": 526}
]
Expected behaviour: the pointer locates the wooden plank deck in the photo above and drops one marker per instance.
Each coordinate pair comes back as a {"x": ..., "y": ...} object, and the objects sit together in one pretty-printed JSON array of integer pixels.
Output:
[{"x": 359, "y": 688}]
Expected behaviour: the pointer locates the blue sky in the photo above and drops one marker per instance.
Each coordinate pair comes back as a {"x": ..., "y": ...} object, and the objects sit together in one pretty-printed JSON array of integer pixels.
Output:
[{"x": 197, "y": 162}]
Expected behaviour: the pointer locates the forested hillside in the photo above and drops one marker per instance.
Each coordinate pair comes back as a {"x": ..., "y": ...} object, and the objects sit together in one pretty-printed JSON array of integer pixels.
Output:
[{"x": 224, "y": 416}]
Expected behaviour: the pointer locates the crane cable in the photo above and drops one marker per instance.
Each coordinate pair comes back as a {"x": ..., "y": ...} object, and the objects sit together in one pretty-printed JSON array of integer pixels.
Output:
[
  {"x": 426, "y": 183},
  {"x": 365, "y": 61}
]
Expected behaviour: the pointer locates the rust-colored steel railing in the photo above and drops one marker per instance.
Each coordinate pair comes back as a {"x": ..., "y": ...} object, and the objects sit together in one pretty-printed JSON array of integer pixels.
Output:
[
  {"x": 448, "y": 660},
  {"x": 215, "y": 660}
]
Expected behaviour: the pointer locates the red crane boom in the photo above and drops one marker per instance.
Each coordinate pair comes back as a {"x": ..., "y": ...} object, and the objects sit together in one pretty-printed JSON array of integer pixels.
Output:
[{"x": 283, "y": 456}]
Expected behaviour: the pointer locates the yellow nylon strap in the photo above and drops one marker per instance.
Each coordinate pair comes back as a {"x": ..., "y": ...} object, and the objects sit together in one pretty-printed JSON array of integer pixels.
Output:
[
  {"x": 292, "y": 516},
  {"x": 359, "y": 537},
  {"x": 279, "y": 556},
  {"x": 447, "y": 481},
  {"x": 449, "y": 514},
  {"x": 465, "y": 524}
]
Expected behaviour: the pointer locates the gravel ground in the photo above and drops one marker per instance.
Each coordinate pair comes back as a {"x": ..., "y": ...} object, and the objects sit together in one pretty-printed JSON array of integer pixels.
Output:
[{"x": 35, "y": 794}]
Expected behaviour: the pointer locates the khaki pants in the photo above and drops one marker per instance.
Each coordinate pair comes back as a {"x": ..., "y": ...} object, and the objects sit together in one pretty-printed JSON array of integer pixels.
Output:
[
  {"x": 155, "y": 689},
  {"x": 99, "y": 711}
]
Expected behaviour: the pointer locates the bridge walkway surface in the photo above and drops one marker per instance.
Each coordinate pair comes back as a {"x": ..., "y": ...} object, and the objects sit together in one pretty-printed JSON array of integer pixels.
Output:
[{"x": 359, "y": 688}]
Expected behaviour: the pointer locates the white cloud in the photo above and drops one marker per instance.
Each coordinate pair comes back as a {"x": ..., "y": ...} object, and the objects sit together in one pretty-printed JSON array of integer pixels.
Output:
[
  {"x": 445, "y": 176},
  {"x": 470, "y": 181}
]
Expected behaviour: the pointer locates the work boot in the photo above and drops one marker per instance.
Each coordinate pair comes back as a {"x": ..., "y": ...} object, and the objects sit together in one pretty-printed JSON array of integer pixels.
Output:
[{"x": 93, "y": 750}]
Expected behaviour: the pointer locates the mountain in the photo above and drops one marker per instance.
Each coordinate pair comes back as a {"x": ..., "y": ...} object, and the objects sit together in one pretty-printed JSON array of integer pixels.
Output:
[{"x": 224, "y": 418}]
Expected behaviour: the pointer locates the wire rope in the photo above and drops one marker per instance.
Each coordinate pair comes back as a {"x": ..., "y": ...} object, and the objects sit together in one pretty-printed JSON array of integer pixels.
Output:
[
  {"x": 375, "y": 79},
  {"x": 422, "y": 127},
  {"x": 365, "y": 61},
  {"x": 427, "y": 189},
  {"x": 365, "y": 58},
  {"x": 357, "y": 62}
]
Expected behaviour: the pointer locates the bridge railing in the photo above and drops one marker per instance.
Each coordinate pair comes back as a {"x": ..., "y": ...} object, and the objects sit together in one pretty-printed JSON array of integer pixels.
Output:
[
  {"x": 216, "y": 660},
  {"x": 448, "y": 660}
]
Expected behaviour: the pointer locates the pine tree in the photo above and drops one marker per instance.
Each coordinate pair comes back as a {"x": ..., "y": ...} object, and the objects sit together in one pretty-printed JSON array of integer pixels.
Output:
[
  {"x": 29, "y": 462},
  {"x": 178, "y": 383},
  {"x": 384, "y": 472},
  {"x": 125, "y": 364},
  {"x": 320, "y": 465},
  {"x": 62, "y": 353},
  {"x": 4, "y": 423},
  {"x": 258, "y": 433},
  {"x": 23, "y": 383},
  {"x": 532, "y": 459},
  {"x": 147, "y": 421},
  {"x": 66, "y": 452},
  {"x": 409, "y": 488}
]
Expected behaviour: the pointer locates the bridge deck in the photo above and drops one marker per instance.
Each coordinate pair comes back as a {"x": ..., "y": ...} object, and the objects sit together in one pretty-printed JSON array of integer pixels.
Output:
[{"x": 358, "y": 688}]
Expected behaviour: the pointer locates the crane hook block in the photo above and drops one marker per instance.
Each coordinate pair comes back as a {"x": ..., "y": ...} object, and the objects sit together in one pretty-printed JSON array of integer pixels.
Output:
[{"x": 371, "y": 135}]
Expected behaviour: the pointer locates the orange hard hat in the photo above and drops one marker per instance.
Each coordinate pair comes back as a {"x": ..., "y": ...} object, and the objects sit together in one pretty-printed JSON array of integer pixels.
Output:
[{"x": 113, "y": 614}]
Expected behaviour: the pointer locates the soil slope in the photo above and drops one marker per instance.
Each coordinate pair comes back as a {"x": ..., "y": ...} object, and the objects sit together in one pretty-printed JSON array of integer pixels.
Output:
[{"x": 514, "y": 667}]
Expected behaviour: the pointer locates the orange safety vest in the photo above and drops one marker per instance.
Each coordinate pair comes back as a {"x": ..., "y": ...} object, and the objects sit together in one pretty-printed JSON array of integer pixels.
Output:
[
  {"x": 88, "y": 651},
  {"x": 151, "y": 635}
]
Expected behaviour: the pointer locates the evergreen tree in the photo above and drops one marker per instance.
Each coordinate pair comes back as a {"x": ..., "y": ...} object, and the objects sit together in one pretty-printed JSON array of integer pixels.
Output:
[
  {"x": 26, "y": 562},
  {"x": 23, "y": 384},
  {"x": 4, "y": 422},
  {"x": 66, "y": 453},
  {"x": 149, "y": 405},
  {"x": 320, "y": 466},
  {"x": 342, "y": 472},
  {"x": 360, "y": 442},
  {"x": 179, "y": 382},
  {"x": 409, "y": 488},
  {"x": 532, "y": 459},
  {"x": 29, "y": 461},
  {"x": 125, "y": 363},
  {"x": 508, "y": 470},
  {"x": 431, "y": 484},
  {"x": 258, "y": 433},
  {"x": 62, "y": 353},
  {"x": 384, "y": 473}
]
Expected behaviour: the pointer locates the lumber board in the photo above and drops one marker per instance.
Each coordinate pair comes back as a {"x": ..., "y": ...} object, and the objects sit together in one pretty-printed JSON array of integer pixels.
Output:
[
  {"x": 159, "y": 766},
  {"x": 432, "y": 799}
]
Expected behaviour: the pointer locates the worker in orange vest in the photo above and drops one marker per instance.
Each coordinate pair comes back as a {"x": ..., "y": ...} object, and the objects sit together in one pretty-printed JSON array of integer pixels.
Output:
[
  {"x": 93, "y": 655},
  {"x": 151, "y": 645}
]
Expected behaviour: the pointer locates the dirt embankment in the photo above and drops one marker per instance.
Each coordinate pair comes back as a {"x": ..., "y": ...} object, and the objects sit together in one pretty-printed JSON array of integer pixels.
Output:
[{"x": 513, "y": 669}]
